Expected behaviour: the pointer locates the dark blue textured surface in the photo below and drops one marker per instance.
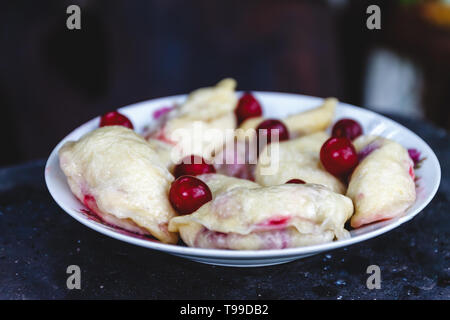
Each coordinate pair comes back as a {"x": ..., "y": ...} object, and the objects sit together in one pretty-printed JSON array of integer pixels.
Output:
[{"x": 38, "y": 241}]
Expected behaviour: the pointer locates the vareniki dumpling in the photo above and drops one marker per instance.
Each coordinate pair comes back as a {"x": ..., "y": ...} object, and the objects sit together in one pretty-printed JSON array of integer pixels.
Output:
[
  {"x": 382, "y": 186},
  {"x": 296, "y": 159},
  {"x": 119, "y": 177},
  {"x": 202, "y": 124},
  {"x": 245, "y": 216},
  {"x": 300, "y": 124}
]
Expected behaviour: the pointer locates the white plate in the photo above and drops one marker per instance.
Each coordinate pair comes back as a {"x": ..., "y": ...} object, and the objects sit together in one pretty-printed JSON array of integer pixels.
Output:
[{"x": 275, "y": 105}]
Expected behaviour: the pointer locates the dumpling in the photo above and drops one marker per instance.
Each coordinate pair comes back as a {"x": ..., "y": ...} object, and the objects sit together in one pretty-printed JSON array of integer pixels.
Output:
[
  {"x": 245, "y": 216},
  {"x": 382, "y": 185},
  {"x": 313, "y": 120},
  {"x": 202, "y": 124},
  {"x": 119, "y": 176},
  {"x": 211, "y": 102},
  {"x": 296, "y": 159},
  {"x": 303, "y": 123}
]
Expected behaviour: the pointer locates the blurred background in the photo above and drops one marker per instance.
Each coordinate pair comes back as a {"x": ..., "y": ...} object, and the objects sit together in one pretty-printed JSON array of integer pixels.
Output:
[{"x": 53, "y": 79}]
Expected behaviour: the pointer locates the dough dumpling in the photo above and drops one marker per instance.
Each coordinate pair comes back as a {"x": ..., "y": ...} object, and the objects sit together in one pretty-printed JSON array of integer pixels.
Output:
[
  {"x": 382, "y": 186},
  {"x": 118, "y": 176},
  {"x": 296, "y": 159},
  {"x": 245, "y": 216},
  {"x": 303, "y": 123},
  {"x": 202, "y": 124}
]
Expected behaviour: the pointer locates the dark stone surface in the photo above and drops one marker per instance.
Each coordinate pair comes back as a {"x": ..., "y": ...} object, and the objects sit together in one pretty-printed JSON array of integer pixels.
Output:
[{"x": 38, "y": 241}]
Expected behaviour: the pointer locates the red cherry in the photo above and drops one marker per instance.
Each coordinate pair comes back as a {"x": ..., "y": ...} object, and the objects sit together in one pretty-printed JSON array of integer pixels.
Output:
[
  {"x": 348, "y": 128},
  {"x": 270, "y": 127},
  {"x": 188, "y": 193},
  {"x": 247, "y": 107},
  {"x": 115, "y": 118},
  {"x": 338, "y": 156},
  {"x": 296, "y": 181},
  {"x": 193, "y": 166}
]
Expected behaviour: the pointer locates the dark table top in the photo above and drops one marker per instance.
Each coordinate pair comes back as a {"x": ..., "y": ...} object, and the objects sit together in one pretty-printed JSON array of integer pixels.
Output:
[{"x": 38, "y": 241}]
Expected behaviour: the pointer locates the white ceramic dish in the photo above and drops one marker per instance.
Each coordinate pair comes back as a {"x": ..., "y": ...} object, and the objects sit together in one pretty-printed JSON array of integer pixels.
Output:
[{"x": 275, "y": 105}]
